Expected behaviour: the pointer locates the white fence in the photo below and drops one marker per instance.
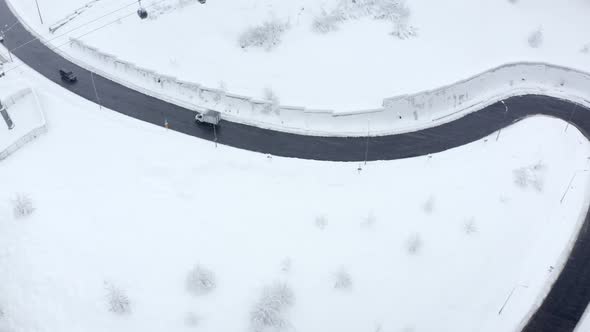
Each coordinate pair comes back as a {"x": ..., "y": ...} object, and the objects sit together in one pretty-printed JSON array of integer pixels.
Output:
[
  {"x": 33, "y": 133},
  {"x": 398, "y": 114},
  {"x": 455, "y": 100},
  {"x": 13, "y": 98},
  {"x": 22, "y": 141}
]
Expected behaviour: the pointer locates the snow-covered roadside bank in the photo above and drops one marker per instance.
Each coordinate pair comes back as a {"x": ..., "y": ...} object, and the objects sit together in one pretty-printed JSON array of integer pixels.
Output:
[
  {"x": 359, "y": 62},
  {"x": 584, "y": 324},
  {"x": 401, "y": 114},
  {"x": 433, "y": 244}
]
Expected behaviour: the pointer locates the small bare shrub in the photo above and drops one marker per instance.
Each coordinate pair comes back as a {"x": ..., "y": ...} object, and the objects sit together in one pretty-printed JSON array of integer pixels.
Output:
[
  {"x": 117, "y": 300},
  {"x": 535, "y": 39},
  {"x": 286, "y": 265},
  {"x": 200, "y": 281},
  {"x": 428, "y": 206},
  {"x": 191, "y": 319},
  {"x": 22, "y": 206},
  {"x": 160, "y": 8},
  {"x": 585, "y": 49},
  {"x": 530, "y": 176},
  {"x": 269, "y": 311},
  {"x": 369, "y": 221},
  {"x": 266, "y": 36},
  {"x": 414, "y": 244},
  {"x": 342, "y": 280},
  {"x": 325, "y": 23},
  {"x": 321, "y": 222},
  {"x": 470, "y": 227},
  {"x": 394, "y": 11},
  {"x": 404, "y": 31}
]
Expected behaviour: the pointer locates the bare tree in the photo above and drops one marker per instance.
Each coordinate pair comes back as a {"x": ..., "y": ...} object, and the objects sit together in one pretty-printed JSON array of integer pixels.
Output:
[
  {"x": 342, "y": 280},
  {"x": 117, "y": 300},
  {"x": 270, "y": 310},
  {"x": 266, "y": 36},
  {"x": 22, "y": 206},
  {"x": 535, "y": 39},
  {"x": 321, "y": 222},
  {"x": 414, "y": 244}
]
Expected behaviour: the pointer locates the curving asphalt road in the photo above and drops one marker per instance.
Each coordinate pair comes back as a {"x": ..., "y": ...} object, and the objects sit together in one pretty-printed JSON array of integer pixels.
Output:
[{"x": 568, "y": 297}]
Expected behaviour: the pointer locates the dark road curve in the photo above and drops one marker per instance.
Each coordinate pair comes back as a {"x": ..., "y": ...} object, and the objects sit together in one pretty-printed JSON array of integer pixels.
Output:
[{"x": 568, "y": 297}]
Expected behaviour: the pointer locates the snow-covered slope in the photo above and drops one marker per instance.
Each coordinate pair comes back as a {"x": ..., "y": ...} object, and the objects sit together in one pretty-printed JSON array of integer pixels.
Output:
[
  {"x": 124, "y": 210},
  {"x": 352, "y": 68}
]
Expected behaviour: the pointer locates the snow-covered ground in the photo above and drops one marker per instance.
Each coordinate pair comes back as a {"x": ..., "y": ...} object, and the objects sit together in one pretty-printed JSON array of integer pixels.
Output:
[
  {"x": 584, "y": 324},
  {"x": 124, "y": 210},
  {"x": 351, "y": 68}
]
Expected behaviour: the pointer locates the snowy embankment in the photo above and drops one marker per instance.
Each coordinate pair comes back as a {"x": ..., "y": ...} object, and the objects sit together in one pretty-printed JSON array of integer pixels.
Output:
[
  {"x": 123, "y": 212},
  {"x": 23, "y": 120},
  {"x": 353, "y": 66},
  {"x": 390, "y": 115}
]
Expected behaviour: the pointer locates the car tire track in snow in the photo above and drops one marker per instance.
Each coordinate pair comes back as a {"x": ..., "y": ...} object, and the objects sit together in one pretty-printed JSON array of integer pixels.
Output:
[{"x": 569, "y": 296}]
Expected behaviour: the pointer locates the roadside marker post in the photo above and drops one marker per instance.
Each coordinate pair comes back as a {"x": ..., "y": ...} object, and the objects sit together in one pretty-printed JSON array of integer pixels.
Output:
[{"x": 505, "y": 113}]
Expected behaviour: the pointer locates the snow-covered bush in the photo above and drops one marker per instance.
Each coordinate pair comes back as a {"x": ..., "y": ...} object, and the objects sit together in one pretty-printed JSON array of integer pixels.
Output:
[
  {"x": 266, "y": 36},
  {"x": 414, "y": 244},
  {"x": 535, "y": 39},
  {"x": 530, "y": 176},
  {"x": 470, "y": 227},
  {"x": 428, "y": 206},
  {"x": 117, "y": 300},
  {"x": 342, "y": 280},
  {"x": 191, "y": 319},
  {"x": 269, "y": 312},
  {"x": 200, "y": 280},
  {"x": 404, "y": 31},
  {"x": 325, "y": 22},
  {"x": 164, "y": 7},
  {"x": 394, "y": 11},
  {"x": 321, "y": 222},
  {"x": 286, "y": 265},
  {"x": 585, "y": 49},
  {"x": 369, "y": 221},
  {"x": 22, "y": 206}
]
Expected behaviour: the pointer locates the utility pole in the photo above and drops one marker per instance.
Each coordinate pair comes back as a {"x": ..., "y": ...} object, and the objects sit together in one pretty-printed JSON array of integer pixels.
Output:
[
  {"x": 505, "y": 113},
  {"x": 215, "y": 134},
  {"x": 569, "y": 185},
  {"x": 367, "y": 145},
  {"x": 39, "y": 11},
  {"x": 3, "y": 39},
  {"x": 509, "y": 296},
  {"x": 570, "y": 118},
  {"x": 95, "y": 91}
]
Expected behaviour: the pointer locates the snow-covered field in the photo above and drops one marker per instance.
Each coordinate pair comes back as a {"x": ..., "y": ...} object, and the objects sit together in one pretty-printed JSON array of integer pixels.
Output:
[
  {"x": 123, "y": 211},
  {"x": 353, "y": 67}
]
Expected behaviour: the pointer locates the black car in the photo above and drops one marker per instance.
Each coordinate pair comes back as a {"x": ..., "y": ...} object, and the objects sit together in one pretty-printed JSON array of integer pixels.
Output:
[{"x": 67, "y": 75}]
